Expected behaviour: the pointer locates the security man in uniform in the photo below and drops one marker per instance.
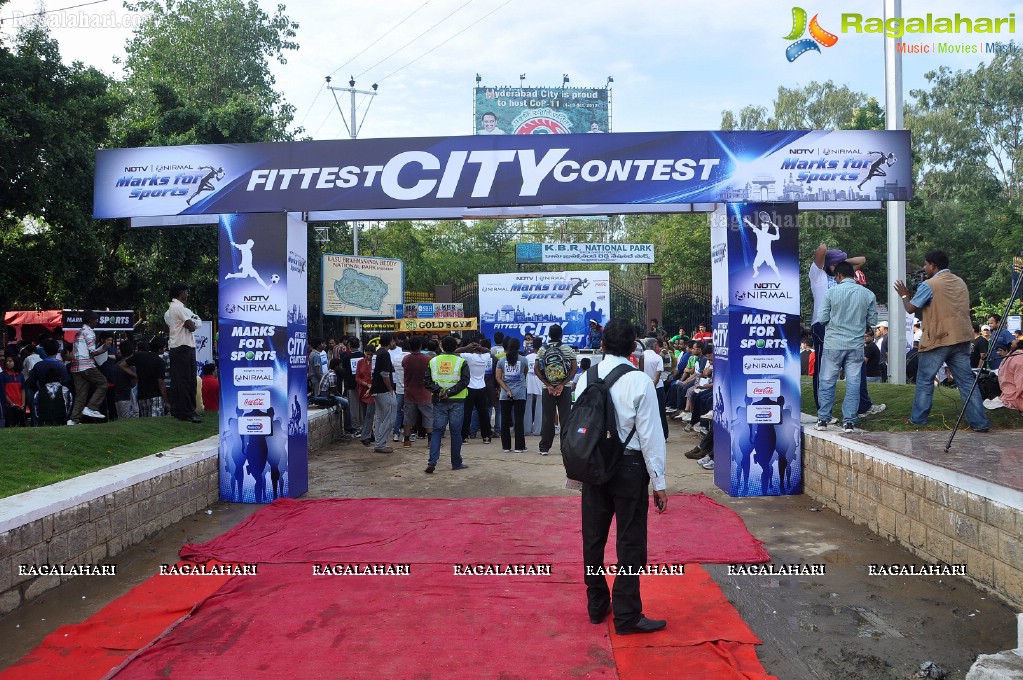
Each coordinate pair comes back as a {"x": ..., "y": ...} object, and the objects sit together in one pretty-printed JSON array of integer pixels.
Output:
[
  {"x": 447, "y": 377},
  {"x": 625, "y": 496}
]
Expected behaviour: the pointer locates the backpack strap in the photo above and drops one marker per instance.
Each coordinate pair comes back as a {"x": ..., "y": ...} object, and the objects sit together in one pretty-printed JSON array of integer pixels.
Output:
[{"x": 609, "y": 381}]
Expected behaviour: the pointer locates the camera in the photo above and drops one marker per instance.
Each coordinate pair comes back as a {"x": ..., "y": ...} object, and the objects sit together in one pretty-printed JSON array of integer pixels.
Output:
[{"x": 915, "y": 278}]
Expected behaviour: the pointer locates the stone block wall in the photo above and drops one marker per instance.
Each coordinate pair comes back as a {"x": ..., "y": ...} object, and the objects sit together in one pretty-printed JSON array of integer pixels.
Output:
[
  {"x": 933, "y": 518},
  {"x": 90, "y": 519}
]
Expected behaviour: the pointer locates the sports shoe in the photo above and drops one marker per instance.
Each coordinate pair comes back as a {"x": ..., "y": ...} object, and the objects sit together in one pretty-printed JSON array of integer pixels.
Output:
[
  {"x": 545, "y": 453},
  {"x": 520, "y": 450},
  {"x": 461, "y": 467},
  {"x": 396, "y": 438},
  {"x": 992, "y": 404},
  {"x": 821, "y": 425},
  {"x": 505, "y": 450},
  {"x": 688, "y": 427},
  {"x": 92, "y": 413},
  {"x": 671, "y": 409},
  {"x": 694, "y": 453},
  {"x": 413, "y": 437},
  {"x": 708, "y": 415},
  {"x": 849, "y": 428},
  {"x": 71, "y": 423},
  {"x": 701, "y": 429},
  {"x": 386, "y": 449},
  {"x": 709, "y": 465},
  {"x": 703, "y": 461},
  {"x": 875, "y": 409}
]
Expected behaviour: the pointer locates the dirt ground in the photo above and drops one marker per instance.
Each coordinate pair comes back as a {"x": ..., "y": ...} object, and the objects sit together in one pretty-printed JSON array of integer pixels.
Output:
[{"x": 843, "y": 625}]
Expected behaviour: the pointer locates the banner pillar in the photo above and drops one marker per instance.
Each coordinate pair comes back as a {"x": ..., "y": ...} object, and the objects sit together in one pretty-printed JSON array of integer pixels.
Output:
[
  {"x": 261, "y": 346},
  {"x": 755, "y": 273}
]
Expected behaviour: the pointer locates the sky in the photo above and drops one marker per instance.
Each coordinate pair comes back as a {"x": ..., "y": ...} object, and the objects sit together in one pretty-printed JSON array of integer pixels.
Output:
[{"x": 676, "y": 65}]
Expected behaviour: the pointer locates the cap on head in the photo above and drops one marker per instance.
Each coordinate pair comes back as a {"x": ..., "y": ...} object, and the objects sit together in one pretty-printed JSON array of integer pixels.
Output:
[
  {"x": 834, "y": 256},
  {"x": 882, "y": 324}
]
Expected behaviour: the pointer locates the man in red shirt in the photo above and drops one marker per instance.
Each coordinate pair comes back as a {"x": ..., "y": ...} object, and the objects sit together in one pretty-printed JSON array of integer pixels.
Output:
[
  {"x": 418, "y": 399},
  {"x": 210, "y": 389}
]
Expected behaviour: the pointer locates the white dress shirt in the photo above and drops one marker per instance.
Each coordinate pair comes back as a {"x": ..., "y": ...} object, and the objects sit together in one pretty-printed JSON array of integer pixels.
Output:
[{"x": 635, "y": 402}]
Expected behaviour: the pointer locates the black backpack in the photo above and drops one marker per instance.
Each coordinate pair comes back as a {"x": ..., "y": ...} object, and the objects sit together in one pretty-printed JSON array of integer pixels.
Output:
[{"x": 590, "y": 447}]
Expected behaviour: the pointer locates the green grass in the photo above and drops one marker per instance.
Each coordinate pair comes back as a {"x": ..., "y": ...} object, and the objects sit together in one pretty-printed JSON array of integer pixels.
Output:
[
  {"x": 31, "y": 457},
  {"x": 899, "y": 399}
]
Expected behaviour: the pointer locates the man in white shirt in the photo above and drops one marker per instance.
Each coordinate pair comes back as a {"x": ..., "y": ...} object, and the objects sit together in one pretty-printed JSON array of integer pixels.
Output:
[
  {"x": 397, "y": 355},
  {"x": 489, "y": 120},
  {"x": 653, "y": 366},
  {"x": 182, "y": 323},
  {"x": 624, "y": 497}
]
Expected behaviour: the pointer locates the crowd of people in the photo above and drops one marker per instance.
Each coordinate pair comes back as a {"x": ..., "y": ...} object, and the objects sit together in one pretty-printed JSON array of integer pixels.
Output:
[{"x": 97, "y": 377}]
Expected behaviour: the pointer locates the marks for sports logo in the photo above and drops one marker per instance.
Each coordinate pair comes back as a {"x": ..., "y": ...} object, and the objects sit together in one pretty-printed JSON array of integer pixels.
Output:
[{"x": 818, "y": 36}]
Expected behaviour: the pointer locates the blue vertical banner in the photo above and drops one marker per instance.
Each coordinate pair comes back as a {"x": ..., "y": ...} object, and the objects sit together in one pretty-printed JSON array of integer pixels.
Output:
[
  {"x": 262, "y": 321},
  {"x": 755, "y": 263}
]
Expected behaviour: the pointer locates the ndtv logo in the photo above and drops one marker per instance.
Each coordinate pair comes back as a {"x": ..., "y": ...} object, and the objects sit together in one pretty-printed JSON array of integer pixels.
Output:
[{"x": 802, "y": 152}]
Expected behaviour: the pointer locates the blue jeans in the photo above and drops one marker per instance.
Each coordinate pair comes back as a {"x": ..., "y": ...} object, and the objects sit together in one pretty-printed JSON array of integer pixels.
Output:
[
  {"x": 446, "y": 413},
  {"x": 834, "y": 361},
  {"x": 958, "y": 359},
  {"x": 399, "y": 419}
]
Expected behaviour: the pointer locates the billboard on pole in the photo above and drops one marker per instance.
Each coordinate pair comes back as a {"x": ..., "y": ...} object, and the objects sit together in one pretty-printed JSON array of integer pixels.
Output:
[{"x": 541, "y": 110}]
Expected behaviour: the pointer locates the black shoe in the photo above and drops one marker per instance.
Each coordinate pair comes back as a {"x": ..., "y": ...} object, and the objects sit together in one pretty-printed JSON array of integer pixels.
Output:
[
  {"x": 602, "y": 616},
  {"x": 463, "y": 466},
  {"x": 644, "y": 625},
  {"x": 430, "y": 469},
  {"x": 366, "y": 442},
  {"x": 195, "y": 419}
]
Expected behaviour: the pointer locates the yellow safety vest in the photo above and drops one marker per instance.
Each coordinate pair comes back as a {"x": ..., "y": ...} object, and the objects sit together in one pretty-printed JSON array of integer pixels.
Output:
[{"x": 446, "y": 371}]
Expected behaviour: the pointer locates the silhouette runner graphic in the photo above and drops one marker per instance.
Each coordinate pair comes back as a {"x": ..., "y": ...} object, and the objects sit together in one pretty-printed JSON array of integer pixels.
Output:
[
  {"x": 875, "y": 168},
  {"x": 576, "y": 288},
  {"x": 204, "y": 183}
]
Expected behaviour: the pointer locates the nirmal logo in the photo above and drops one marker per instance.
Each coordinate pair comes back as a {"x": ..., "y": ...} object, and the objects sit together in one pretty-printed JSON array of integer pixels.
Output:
[{"x": 818, "y": 36}]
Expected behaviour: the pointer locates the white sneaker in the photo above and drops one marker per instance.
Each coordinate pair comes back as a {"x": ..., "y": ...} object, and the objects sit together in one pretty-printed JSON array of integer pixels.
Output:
[
  {"x": 680, "y": 415},
  {"x": 703, "y": 461},
  {"x": 71, "y": 423},
  {"x": 992, "y": 404},
  {"x": 93, "y": 414},
  {"x": 709, "y": 465},
  {"x": 701, "y": 429},
  {"x": 395, "y": 438},
  {"x": 875, "y": 409},
  {"x": 557, "y": 429},
  {"x": 521, "y": 450},
  {"x": 545, "y": 453},
  {"x": 708, "y": 415}
]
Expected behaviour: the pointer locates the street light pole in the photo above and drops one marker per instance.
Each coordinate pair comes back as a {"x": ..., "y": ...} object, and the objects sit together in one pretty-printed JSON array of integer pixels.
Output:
[
  {"x": 896, "y": 210},
  {"x": 353, "y": 131}
]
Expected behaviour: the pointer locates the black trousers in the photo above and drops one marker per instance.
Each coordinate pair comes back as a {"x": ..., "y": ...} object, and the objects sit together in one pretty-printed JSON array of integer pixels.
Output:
[
  {"x": 626, "y": 499},
  {"x": 478, "y": 399},
  {"x": 561, "y": 405},
  {"x": 513, "y": 411},
  {"x": 817, "y": 333},
  {"x": 183, "y": 382}
]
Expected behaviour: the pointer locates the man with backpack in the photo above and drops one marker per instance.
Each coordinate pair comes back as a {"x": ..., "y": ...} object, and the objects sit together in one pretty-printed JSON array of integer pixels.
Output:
[
  {"x": 623, "y": 496},
  {"x": 555, "y": 367}
]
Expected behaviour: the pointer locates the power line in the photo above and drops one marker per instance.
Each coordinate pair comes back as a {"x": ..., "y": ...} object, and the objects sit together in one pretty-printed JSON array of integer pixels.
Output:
[
  {"x": 445, "y": 42},
  {"x": 380, "y": 38},
  {"x": 54, "y": 11},
  {"x": 459, "y": 9}
]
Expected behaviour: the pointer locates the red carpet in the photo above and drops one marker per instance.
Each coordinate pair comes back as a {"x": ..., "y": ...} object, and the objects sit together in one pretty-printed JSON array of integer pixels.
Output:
[
  {"x": 705, "y": 634},
  {"x": 286, "y": 623},
  {"x": 487, "y": 530},
  {"x": 89, "y": 650}
]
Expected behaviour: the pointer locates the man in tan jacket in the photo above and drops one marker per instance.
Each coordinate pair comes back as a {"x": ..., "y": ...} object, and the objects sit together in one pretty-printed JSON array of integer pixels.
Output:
[{"x": 947, "y": 333}]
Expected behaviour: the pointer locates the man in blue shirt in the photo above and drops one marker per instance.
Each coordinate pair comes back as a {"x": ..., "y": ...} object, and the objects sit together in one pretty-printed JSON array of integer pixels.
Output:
[
  {"x": 846, "y": 311},
  {"x": 1002, "y": 342}
]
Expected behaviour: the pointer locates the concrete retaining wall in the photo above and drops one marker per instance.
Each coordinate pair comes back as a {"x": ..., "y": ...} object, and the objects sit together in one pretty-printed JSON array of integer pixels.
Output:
[
  {"x": 938, "y": 514},
  {"x": 90, "y": 519}
]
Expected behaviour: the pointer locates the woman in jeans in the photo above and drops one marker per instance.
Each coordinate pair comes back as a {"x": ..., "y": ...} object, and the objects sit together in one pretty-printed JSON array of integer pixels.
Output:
[{"x": 510, "y": 375}]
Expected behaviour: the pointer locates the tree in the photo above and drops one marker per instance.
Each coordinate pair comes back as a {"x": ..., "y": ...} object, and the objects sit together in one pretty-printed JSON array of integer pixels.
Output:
[
  {"x": 53, "y": 118},
  {"x": 969, "y": 124},
  {"x": 818, "y": 106},
  {"x": 195, "y": 73}
]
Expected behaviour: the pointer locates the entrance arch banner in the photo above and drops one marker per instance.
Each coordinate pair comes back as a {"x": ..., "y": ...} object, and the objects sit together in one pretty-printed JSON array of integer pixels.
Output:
[{"x": 454, "y": 176}]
